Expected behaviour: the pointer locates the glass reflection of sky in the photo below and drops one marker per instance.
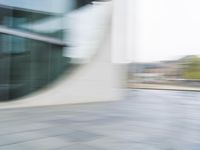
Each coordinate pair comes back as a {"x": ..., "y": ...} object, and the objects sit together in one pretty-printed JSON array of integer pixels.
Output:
[
  {"x": 54, "y": 22},
  {"x": 53, "y": 6}
]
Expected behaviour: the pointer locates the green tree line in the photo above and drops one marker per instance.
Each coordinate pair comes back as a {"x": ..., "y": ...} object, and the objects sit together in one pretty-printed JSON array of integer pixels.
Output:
[{"x": 192, "y": 68}]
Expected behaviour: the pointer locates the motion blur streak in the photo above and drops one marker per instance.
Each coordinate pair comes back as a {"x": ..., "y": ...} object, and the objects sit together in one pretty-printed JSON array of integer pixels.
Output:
[
  {"x": 87, "y": 27},
  {"x": 57, "y": 55},
  {"x": 64, "y": 52}
]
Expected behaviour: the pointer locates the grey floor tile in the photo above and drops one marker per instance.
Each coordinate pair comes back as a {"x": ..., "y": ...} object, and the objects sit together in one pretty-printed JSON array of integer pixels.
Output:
[
  {"x": 144, "y": 120},
  {"x": 80, "y": 147}
]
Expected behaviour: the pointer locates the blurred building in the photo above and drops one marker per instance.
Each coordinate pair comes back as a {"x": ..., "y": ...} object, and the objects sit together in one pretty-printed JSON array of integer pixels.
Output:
[{"x": 35, "y": 44}]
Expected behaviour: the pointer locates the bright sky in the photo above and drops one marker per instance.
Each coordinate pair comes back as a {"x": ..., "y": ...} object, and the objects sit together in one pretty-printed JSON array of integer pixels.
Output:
[{"x": 166, "y": 29}]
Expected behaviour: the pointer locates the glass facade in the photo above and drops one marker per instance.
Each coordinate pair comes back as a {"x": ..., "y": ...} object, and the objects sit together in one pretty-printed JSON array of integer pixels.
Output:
[{"x": 31, "y": 44}]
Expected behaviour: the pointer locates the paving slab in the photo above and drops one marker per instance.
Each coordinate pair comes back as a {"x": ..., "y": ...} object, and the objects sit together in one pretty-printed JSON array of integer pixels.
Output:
[{"x": 143, "y": 120}]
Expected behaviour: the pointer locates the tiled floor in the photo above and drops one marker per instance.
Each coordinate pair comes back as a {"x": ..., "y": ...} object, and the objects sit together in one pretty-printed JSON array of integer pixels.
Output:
[{"x": 144, "y": 120}]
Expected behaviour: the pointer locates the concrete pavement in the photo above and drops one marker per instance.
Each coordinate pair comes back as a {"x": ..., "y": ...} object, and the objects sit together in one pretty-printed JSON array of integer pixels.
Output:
[{"x": 144, "y": 120}]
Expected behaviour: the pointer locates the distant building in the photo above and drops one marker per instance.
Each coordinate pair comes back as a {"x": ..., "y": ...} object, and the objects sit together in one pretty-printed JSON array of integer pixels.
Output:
[{"x": 159, "y": 71}]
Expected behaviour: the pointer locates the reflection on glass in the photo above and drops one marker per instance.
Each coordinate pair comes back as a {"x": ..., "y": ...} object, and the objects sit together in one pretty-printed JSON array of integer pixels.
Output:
[{"x": 28, "y": 64}]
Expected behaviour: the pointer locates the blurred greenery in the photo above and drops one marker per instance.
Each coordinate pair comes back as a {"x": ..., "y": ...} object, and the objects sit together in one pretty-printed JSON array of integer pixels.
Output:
[{"x": 192, "y": 69}]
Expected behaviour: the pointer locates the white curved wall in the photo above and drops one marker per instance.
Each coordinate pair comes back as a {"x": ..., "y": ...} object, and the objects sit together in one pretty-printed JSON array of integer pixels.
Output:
[
  {"x": 93, "y": 82},
  {"x": 98, "y": 80}
]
